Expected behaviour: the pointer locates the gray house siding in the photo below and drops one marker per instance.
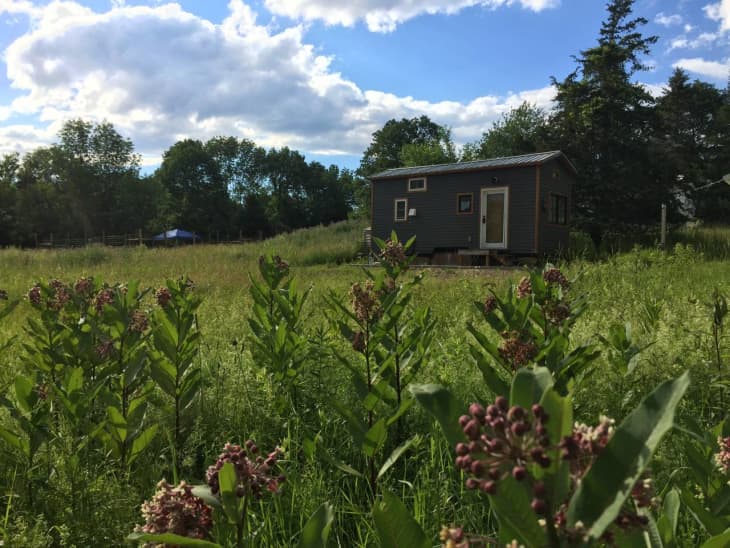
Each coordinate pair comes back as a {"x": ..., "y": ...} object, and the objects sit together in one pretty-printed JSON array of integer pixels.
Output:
[
  {"x": 555, "y": 179},
  {"x": 437, "y": 224}
]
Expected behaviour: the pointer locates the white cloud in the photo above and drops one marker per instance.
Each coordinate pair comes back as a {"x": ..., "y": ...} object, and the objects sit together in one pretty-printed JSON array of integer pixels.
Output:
[
  {"x": 703, "y": 40},
  {"x": 386, "y": 15},
  {"x": 711, "y": 69},
  {"x": 160, "y": 74},
  {"x": 668, "y": 20},
  {"x": 719, "y": 12}
]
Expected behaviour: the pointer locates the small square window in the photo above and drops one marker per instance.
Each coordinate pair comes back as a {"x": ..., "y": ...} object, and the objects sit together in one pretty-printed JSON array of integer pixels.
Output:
[
  {"x": 417, "y": 185},
  {"x": 401, "y": 209},
  {"x": 558, "y": 210},
  {"x": 464, "y": 204}
]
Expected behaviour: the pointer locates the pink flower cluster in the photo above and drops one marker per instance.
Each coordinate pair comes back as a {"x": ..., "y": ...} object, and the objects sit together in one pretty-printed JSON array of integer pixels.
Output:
[
  {"x": 394, "y": 255},
  {"x": 524, "y": 288},
  {"x": 365, "y": 302},
  {"x": 503, "y": 441},
  {"x": 104, "y": 297},
  {"x": 176, "y": 510},
  {"x": 138, "y": 323},
  {"x": 255, "y": 473},
  {"x": 163, "y": 296},
  {"x": 722, "y": 457},
  {"x": 555, "y": 276},
  {"x": 517, "y": 348}
]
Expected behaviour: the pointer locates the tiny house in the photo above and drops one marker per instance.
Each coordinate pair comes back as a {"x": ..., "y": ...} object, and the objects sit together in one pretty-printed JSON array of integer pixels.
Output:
[{"x": 503, "y": 208}]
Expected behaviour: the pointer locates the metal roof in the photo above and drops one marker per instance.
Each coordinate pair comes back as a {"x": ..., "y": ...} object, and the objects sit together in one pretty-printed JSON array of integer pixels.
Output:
[{"x": 523, "y": 160}]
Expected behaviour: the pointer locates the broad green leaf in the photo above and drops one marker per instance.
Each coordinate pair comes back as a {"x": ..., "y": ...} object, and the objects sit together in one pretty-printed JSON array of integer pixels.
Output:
[
  {"x": 141, "y": 442},
  {"x": 512, "y": 506},
  {"x": 354, "y": 423},
  {"x": 395, "y": 525},
  {"x": 718, "y": 541},
  {"x": 667, "y": 522},
  {"x": 204, "y": 492},
  {"x": 375, "y": 438},
  {"x": 712, "y": 524},
  {"x": 529, "y": 385},
  {"x": 317, "y": 529},
  {"x": 24, "y": 393},
  {"x": 170, "y": 539},
  {"x": 396, "y": 454},
  {"x": 444, "y": 407},
  {"x": 604, "y": 489},
  {"x": 228, "y": 482}
]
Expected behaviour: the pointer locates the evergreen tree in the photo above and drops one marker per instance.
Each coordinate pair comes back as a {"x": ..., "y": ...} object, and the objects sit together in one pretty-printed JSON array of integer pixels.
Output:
[{"x": 602, "y": 122}]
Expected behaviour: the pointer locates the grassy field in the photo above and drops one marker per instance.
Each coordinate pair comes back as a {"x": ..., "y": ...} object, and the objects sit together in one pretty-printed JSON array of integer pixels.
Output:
[{"x": 667, "y": 297}]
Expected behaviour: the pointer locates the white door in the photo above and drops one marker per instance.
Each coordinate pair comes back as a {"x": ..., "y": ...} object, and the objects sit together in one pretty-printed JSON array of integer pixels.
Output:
[{"x": 494, "y": 218}]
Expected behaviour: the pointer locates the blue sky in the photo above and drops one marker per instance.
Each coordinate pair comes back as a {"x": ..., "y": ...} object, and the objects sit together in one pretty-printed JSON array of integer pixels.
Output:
[{"x": 315, "y": 75}]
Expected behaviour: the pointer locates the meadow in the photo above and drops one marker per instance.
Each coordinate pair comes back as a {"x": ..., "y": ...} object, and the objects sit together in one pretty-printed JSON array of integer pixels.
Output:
[{"x": 305, "y": 372}]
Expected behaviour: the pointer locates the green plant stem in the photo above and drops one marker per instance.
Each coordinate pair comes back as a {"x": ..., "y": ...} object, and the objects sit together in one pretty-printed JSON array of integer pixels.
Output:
[{"x": 242, "y": 523}]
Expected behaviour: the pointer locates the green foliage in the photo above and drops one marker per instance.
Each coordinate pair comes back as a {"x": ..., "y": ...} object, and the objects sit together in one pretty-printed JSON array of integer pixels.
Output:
[
  {"x": 520, "y": 131},
  {"x": 395, "y": 525},
  {"x": 278, "y": 345},
  {"x": 316, "y": 532}
]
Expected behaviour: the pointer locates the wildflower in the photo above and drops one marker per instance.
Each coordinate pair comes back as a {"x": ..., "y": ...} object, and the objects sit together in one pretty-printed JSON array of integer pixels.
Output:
[
  {"x": 61, "y": 295},
  {"x": 138, "y": 322},
  {"x": 556, "y": 313},
  {"x": 722, "y": 457},
  {"x": 176, "y": 510},
  {"x": 104, "y": 349},
  {"x": 503, "y": 441},
  {"x": 490, "y": 304},
  {"x": 83, "y": 286},
  {"x": 394, "y": 255},
  {"x": 517, "y": 348},
  {"x": 365, "y": 302},
  {"x": 281, "y": 265},
  {"x": 187, "y": 283},
  {"x": 453, "y": 537},
  {"x": 554, "y": 276},
  {"x": 254, "y": 472},
  {"x": 163, "y": 296},
  {"x": 524, "y": 288},
  {"x": 34, "y": 294},
  {"x": 104, "y": 297}
]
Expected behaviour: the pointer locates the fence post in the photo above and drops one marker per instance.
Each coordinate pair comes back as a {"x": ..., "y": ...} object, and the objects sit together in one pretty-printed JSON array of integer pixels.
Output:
[
  {"x": 103, "y": 237},
  {"x": 139, "y": 235},
  {"x": 51, "y": 239},
  {"x": 35, "y": 237},
  {"x": 663, "y": 237}
]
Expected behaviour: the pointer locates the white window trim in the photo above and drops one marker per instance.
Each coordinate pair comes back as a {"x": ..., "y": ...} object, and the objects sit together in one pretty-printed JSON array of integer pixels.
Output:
[
  {"x": 425, "y": 184},
  {"x": 505, "y": 221},
  {"x": 395, "y": 210}
]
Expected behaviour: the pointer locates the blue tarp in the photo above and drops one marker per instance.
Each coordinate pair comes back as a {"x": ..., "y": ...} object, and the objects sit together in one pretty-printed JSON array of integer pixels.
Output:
[{"x": 177, "y": 234}]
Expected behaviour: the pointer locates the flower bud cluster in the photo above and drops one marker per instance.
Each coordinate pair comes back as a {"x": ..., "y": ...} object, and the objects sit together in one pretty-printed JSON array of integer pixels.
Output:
[
  {"x": 394, "y": 255},
  {"x": 453, "y": 537},
  {"x": 176, "y": 510},
  {"x": 104, "y": 348},
  {"x": 556, "y": 312},
  {"x": 104, "y": 297},
  {"x": 722, "y": 457},
  {"x": 84, "y": 286},
  {"x": 503, "y": 441},
  {"x": 555, "y": 276},
  {"x": 490, "y": 304},
  {"x": 255, "y": 473},
  {"x": 365, "y": 302},
  {"x": 61, "y": 295},
  {"x": 517, "y": 348},
  {"x": 524, "y": 288},
  {"x": 586, "y": 443},
  {"x": 163, "y": 296},
  {"x": 41, "y": 390},
  {"x": 34, "y": 295},
  {"x": 138, "y": 322}
]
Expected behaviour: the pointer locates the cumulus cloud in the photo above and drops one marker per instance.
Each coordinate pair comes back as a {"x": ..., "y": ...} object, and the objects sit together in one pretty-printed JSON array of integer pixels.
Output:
[
  {"x": 711, "y": 69},
  {"x": 161, "y": 74},
  {"x": 668, "y": 20},
  {"x": 386, "y": 15},
  {"x": 703, "y": 40},
  {"x": 719, "y": 12}
]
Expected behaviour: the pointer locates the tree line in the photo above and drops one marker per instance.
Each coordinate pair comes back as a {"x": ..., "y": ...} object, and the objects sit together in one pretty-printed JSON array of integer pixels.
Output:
[
  {"x": 633, "y": 152},
  {"x": 89, "y": 182}
]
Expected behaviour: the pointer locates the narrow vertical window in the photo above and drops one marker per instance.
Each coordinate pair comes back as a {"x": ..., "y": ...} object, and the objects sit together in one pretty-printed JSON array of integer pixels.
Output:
[
  {"x": 558, "y": 209},
  {"x": 401, "y": 209}
]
